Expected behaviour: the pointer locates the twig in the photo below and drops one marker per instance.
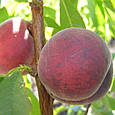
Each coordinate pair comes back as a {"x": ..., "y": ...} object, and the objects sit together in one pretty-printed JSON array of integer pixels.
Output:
[
  {"x": 86, "y": 112},
  {"x": 46, "y": 102}
]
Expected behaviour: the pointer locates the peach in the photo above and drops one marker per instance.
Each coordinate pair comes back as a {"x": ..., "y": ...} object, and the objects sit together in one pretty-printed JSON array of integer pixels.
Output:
[
  {"x": 75, "y": 66},
  {"x": 16, "y": 44}
]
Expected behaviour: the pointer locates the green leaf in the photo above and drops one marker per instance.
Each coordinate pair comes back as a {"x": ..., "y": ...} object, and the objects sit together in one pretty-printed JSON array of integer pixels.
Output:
[
  {"x": 3, "y": 14},
  {"x": 100, "y": 4},
  {"x": 27, "y": 81},
  {"x": 13, "y": 98},
  {"x": 50, "y": 22},
  {"x": 92, "y": 6},
  {"x": 2, "y": 77},
  {"x": 59, "y": 109},
  {"x": 69, "y": 16},
  {"x": 75, "y": 2},
  {"x": 49, "y": 12},
  {"x": 55, "y": 30},
  {"x": 21, "y": 0},
  {"x": 111, "y": 21},
  {"x": 109, "y": 5},
  {"x": 34, "y": 102},
  {"x": 97, "y": 104},
  {"x": 113, "y": 3},
  {"x": 98, "y": 108},
  {"x": 103, "y": 112},
  {"x": 80, "y": 113},
  {"x": 113, "y": 85},
  {"x": 109, "y": 102},
  {"x": 76, "y": 108}
]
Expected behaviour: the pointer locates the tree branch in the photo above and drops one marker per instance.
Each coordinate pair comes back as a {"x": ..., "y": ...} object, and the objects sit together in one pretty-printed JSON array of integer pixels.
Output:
[
  {"x": 46, "y": 102},
  {"x": 86, "y": 112}
]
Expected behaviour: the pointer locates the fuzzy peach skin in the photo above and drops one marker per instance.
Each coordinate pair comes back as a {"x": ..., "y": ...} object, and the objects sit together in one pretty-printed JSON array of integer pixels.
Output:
[
  {"x": 75, "y": 66},
  {"x": 16, "y": 44}
]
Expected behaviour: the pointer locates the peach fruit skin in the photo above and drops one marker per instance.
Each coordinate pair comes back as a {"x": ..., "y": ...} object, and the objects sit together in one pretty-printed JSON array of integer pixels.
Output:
[
  {"x": 16, "y": 44},
  {"x": 75, "y": 66}
]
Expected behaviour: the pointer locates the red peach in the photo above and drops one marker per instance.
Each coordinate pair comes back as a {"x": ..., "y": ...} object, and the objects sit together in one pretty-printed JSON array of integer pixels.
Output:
[
  {"x": 75, "y": 66},
  {"x": 16, "y": 44}
]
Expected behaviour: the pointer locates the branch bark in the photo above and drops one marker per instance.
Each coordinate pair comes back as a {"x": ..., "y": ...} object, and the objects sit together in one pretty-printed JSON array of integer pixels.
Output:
[{"x": 46, "y": 102}]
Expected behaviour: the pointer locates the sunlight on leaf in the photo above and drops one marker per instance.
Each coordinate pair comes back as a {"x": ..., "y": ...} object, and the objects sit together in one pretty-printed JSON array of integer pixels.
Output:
[
  {"x": 34, "y": 102},
  {"x": 3, "y": 14},
  {"x": 109, "y": 5},
  {"x": 67, "y": 19}
]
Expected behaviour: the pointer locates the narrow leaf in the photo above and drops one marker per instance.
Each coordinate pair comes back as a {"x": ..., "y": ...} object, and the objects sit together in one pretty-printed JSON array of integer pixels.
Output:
[
  {"x": 100, "y": 4},
  {"x": 21, "y": 0},
  {"x": 34, "y": 102},
  {"x": 113, "y": 85},
  {"x": 109, "y": 5},
  {"x": 69, "y": 16},
  {"x": 92, "y": 6}
]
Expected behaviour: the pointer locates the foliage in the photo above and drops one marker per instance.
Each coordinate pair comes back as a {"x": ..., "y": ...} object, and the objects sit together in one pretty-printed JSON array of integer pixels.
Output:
[
  {"x": 95, "y": 15},
  {"x": 34, "y": 102},
  {"x": 12, "y": 88}
]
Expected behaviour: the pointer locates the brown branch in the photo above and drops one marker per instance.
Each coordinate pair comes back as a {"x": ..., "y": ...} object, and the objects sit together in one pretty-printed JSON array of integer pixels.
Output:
[
  {"x": 86, "y": 112},
  {"x": 46, "y": 102}
]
